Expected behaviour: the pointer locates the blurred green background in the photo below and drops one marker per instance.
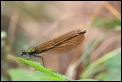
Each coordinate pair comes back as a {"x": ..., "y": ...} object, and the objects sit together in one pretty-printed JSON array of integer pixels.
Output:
[{"x": 25, "y": 24}]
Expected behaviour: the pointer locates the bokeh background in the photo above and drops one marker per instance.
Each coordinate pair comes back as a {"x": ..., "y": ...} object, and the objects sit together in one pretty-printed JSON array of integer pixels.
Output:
[{"x": 25, "y": 24}]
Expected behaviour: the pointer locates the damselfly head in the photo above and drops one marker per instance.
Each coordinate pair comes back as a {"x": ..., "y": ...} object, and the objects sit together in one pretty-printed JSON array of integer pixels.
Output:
[{"x": 24, "y": 52}]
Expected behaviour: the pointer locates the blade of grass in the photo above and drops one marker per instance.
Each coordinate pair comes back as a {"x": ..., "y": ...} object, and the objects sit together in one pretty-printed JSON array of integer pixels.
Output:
[{"x": 104, "y": 58}]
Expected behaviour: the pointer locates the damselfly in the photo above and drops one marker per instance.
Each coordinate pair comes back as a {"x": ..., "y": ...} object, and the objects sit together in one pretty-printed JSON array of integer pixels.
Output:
[{"x": 61, "y": 44}]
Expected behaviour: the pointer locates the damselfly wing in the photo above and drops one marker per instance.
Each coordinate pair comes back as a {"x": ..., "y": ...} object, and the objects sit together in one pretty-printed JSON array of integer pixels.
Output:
[{"x": 63, "y": 43}]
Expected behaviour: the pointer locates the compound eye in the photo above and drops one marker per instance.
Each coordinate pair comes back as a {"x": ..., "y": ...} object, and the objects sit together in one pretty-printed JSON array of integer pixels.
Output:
[{"x": 23, "y": 52}]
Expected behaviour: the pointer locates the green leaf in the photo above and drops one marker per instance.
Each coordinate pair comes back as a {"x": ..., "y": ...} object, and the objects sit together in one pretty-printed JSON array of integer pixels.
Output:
[
  {"x": 43, "y": 73},
  {"x": 19, "y": 74},
  {"x": 43, "y": 76}
]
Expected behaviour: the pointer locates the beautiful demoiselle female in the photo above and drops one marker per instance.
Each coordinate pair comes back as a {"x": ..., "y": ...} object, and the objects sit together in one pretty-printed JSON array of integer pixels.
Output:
[{"x": 61, "y": 44}]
